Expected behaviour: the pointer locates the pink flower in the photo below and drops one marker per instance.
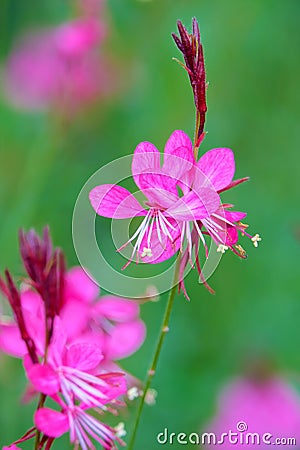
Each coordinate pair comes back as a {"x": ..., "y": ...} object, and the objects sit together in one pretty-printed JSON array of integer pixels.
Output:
[
  {"x": 110, "y": 323},
  {"x": 269, "y": 406},
  {"x": 81, "y": 425},
  {"x": 11, "y": 447},
  {"x": 157, "y": 237},
  {"x": 69, "y": 371},
  {"x": 58, "y": 67}
]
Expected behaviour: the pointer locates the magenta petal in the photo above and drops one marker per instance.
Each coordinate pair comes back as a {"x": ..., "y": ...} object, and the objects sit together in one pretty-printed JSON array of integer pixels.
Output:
[
  {"x": 11, "y": 341},
  {"x": 52, "y": 423},
  {"x": 43, "y": 378},
  {"x": 75, "y": 316},
  {"x": 125, "y": 339},
  {"x": 83, "y": 356},
  {"x": 162, "y": 247},
  {"x": 218, "y": 165},
  {"x": 79, "y": 286},
  {"x": 117, "y": 309},
  {"x": 195, "y": 206},
  {"x": 146, "y": 158},
  {"x": 109, "y": 200},
  {"x": 234, "y": 216},
  {"x": 178, "y": 155},
  {"x": 160, "y": 189},
  {"x": 31, "y": 301}
]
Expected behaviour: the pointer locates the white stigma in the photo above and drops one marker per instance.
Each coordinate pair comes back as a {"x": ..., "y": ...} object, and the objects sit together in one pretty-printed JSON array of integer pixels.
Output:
[
  {"x": 120, "y": 430},
  {"x": 222, "y": 248},
  {"x": 146, "y": 252},
  {"x": 256, "y": 239}
]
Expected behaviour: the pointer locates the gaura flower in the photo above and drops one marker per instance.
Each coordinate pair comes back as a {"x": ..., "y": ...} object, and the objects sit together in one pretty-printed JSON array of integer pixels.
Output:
[
  {"x": 270, "y": 406},
  {"x": 110, "y": 323},
  {"x": 72, "y": 371},
  {"x": 58, "y": 67},
  {"x": 164, "y": 211},
  {"x": 82, "y": 427}
]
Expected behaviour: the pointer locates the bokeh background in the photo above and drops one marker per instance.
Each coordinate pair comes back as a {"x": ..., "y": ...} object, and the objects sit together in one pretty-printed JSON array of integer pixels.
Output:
[{"x": 253, "y": 69}]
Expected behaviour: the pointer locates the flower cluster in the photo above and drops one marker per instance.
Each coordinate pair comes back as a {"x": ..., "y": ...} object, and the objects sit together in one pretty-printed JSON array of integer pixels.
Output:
[{"x": 69, "y": 341}]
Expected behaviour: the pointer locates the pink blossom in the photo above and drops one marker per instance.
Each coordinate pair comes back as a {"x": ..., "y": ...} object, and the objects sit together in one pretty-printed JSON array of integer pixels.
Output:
[
  {"x": 269, "y": 406},
  {"x": 157, "y": 237},
  {"x": 57, "y": 67},
  {"x": 69, "y": 371},
  {"x": 110, "y": 323},
  {"x": 11, "y": 447},
  {"x": 81, "y": 425}
]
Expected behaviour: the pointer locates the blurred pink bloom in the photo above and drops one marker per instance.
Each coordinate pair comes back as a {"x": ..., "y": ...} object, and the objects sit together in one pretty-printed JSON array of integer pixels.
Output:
[
  {"x": 59, "y": 67},
  {"x": 157, "y": 238},
  {"x": 269, "y": 406},
  {"x": 110, "y": 323},
  {"x": 11, "y": 447}
]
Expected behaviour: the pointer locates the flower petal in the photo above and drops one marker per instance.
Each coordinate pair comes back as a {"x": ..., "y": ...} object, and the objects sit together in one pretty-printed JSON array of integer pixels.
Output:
[
  {"x": 146, "y": 158},
  {"x": 117, "y": 309},
  {"x": 52, "y": 423},
  {"x": 79, "y": 286},
  {"x": 83, "y": 356},
  {"x": 75, "y": 317},
  {"x": 110, "y": 200},
  {"x": 195, "y": 206},
  {"x": 11, "y": 341},
  {"x": 160, "y": 189},
  {"x": 125, "y": 339},
  {"x": 44, "y": 379},
  {"x": 218, "y": 165},
  {"x": 178, "y": 155}
]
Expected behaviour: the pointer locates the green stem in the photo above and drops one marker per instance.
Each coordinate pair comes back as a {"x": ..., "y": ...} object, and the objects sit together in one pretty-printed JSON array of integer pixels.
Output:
[{"x": 151, "y": 372}]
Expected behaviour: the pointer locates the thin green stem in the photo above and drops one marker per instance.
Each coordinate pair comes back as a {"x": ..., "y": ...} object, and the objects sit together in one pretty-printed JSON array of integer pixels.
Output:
[{"x": 151, "y": 372}]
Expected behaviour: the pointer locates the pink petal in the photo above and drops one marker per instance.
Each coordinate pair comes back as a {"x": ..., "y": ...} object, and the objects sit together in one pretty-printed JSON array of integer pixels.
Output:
[
  {"x": 125, "y": 339},
  {"x": 32, "y": 301},
  {"x": 160, "y": 189},
  {"x": 11, "y": 447},
  {"x": 234, "y": 216},
  {"x": 218, "y": 165},
  {"x": 195, "y": 206},
  {"x": 11, "y": 341},
  {"x": 162, "y": 248},
  {"x": 79, "y": 286},
  {"x": 146, "y": 158},
  {"x": 58, "y": 343},
  {"x": 178, "y": 155},
  {"x": 117, "y": 309},
  {"x": 75, "y": 317},
  {"x": 44, "y": 379},
  {"x": 109, "y": 200},
  {"x": 117, "y": 385},
  {"x": 83, "y": 356},
  {"x": 52, "y": 423}
]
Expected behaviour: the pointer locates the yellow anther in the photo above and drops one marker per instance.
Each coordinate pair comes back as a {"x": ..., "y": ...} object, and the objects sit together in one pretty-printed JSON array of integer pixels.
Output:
[{"x": 241, "y": 250}]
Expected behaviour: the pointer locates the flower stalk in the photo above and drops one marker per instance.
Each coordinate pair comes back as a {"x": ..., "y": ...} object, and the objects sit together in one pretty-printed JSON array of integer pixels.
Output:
[{"x": 151, "y": 372}]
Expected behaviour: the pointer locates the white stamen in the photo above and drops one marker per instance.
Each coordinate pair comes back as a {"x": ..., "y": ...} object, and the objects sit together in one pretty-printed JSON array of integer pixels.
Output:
[
  {"x": 120, "y": 430},
  {"x": 222, "y": 248},
  {"x": 133, "y": 393},
  {"x": 146, "y": 252},
  {"x": 150, "y": 398},
  {"x": 256, "y": 239}
]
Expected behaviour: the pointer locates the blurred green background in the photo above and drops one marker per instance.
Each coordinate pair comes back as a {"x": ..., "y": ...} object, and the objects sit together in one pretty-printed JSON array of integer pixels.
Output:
[{"x": 253, "y": 69}]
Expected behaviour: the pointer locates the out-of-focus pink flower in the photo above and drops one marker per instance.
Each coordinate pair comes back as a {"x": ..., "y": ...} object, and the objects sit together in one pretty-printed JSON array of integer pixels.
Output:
[
  {"x": 59, "y": 67},
  {"x": 269, "y": 406},
  {"x": 11, "y": 447},
  {"x": 110, "y": 323},
  {"x": 157, "y": 238}
]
